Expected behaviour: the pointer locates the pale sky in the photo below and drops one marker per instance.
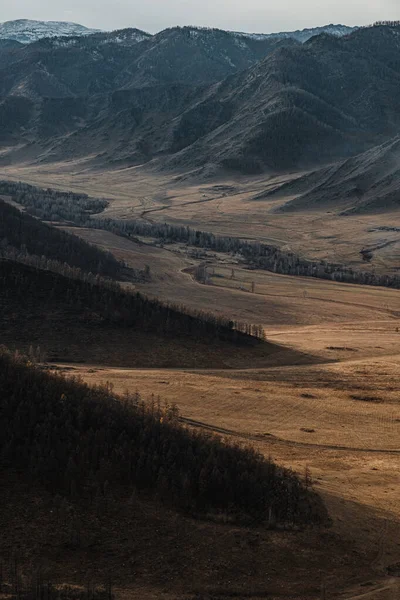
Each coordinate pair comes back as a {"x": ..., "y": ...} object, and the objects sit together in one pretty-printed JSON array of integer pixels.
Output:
[{"x": 263, "y": 16}]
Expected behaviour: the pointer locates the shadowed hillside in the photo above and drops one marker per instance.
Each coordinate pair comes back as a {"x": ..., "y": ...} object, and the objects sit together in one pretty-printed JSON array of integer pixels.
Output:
[
  {"x": 29, "y": 236},
  {"x": 103, "y": 489},
  {"x": 84, "y": 321},
  {"x": 107, "y": 442}
]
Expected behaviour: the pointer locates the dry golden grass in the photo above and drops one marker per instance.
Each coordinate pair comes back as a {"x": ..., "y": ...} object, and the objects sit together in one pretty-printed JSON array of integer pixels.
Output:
[
  {"x": 314, "y": 405},
  {"x": 351, "y": 451}
]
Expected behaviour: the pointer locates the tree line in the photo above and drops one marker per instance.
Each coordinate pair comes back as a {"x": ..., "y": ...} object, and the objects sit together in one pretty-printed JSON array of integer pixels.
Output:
[
  {"x": 48, "y": 203},
  {"x": 27, "y": 239},
  {"x": 53, "y": 205},
  {"x": 80, "y": 441},
  {"x": 386, "y": 24}
]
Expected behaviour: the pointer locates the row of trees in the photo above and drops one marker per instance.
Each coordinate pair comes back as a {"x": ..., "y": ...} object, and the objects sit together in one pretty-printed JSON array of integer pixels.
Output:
[
  {"x": 256, "y": 254},
  {"x": 386, "y": 24},
  {"x": 82, "y": 441},
  {"x": 27, "y": 240},
  {"x": 47, "y": 264},
  {"x": 201, "y": 274},
  {"x": 10, "y": 253}
]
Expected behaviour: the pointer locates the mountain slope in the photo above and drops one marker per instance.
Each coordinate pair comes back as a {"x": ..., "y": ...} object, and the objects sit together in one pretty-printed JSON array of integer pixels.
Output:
[
  {"x": 27, "y": 31},
  {"x": 106, "y": 62},
  {"x": 107, "y": 487},
  {"x": 29, "y": 236},
  {"x": 7, "y": 44},
  {"x": 367, "y": 183},
  {"x": 92, "y": 435},
  {"x": 326, "y": 99},
  {"x": 194, "y": 56}
]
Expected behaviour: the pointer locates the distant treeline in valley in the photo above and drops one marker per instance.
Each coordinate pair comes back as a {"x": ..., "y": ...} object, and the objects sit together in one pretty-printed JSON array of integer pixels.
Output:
[
  {"x": 48, "y": 205},
  {"x": 87, "y": 442},
  {"x": 53, "y": 205}
]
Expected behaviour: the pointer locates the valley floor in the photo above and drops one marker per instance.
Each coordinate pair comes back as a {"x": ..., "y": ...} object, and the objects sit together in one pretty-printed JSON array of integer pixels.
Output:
[
  {"x": 337, "y": 413},
  {"x": 228, "y": 205}
]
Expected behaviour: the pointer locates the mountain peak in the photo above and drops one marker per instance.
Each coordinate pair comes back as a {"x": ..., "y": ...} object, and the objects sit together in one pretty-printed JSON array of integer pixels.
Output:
[{"x": 27, "y": 31}]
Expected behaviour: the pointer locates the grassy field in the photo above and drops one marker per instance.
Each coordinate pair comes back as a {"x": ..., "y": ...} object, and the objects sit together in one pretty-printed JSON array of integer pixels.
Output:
[
  {"x": 353, "y": 333},
  {"x": 341, "y": 421}
]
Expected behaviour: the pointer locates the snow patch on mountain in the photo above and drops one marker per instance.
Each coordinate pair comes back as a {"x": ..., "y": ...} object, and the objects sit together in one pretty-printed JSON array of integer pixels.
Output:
[
  {"x": 125, "y": 37},
  {"x": 26, "y": 31}
]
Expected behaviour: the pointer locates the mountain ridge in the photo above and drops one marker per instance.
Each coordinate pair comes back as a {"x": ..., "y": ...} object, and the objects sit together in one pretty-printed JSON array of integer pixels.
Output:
[
  {"x": 302, "y": 35},
  {"x": 28, "y": 31}
]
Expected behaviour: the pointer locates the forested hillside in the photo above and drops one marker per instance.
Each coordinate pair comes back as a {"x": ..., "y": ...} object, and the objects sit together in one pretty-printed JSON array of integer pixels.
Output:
[
  {"x": 83, "y": 442},
  {"x": 30, "y": 237},
  {"x": 94, "y": 321},
  {"x": 102, "y": 493}
]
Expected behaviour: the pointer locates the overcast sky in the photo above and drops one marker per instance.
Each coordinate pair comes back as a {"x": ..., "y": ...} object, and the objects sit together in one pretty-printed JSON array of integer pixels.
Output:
[{"x": 241, "y": 15}]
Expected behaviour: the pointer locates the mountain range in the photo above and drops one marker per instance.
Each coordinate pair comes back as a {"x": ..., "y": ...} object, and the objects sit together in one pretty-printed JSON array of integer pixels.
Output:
[
  {"x": 27, "y": 31},
  {"x": 193, "y": 98}
]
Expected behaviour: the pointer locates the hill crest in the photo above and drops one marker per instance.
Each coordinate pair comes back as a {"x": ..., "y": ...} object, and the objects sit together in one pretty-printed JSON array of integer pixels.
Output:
[{"x": 27, "y": 31}]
